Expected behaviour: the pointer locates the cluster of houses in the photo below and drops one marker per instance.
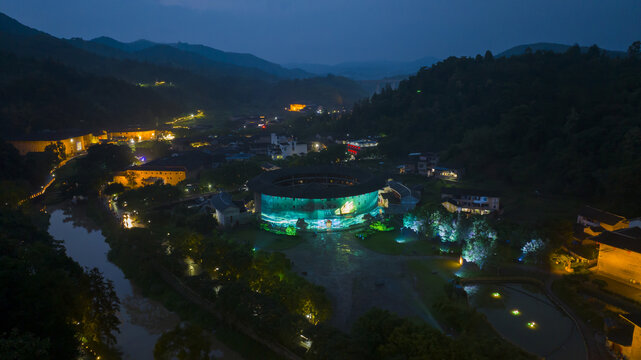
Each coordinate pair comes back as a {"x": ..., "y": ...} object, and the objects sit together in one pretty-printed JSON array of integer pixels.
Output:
[
  {"x": 618, "y": 240},
  {"x": 76, "y": 141},
  {"x": 427, "y": 164}
]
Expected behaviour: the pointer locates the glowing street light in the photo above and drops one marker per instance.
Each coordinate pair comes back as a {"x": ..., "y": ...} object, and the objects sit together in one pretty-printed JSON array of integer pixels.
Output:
[
  {"x": 532, "y": 325},
  {"x": 496, "y": 295},
  {"x": 516, "y": 312},
  {"x": 127, "y": 221}
]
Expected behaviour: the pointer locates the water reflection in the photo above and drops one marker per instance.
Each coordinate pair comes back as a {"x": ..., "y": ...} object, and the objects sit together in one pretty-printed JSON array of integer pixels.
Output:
[{"x": 142, "y": 320}]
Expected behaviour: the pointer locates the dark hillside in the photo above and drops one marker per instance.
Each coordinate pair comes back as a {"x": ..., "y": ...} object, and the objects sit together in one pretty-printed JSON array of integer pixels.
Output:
[
  {"x": 37, "y": 95},
  {"x": 560, "y": 123}
]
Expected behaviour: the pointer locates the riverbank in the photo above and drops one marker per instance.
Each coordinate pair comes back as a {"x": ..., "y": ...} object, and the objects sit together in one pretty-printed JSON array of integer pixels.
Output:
[{"x": 97, "y": 221}]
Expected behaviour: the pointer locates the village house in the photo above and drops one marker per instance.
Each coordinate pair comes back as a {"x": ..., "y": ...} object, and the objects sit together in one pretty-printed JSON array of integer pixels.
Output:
[
  {"x": 74, "y": 142},
  {"x": 470, "y": 201},
  {"x": 227, "y": 212},
  {"x": 620, "y": 255},
  {"x": 419, "y": 163},
  {"x": 591, "y": 222},
  {"x": 139, "y": 176},
  {"x": 447, "y": 173},
  {"x": 397, "y": 198},
  {"x": 625, "y": 341}
]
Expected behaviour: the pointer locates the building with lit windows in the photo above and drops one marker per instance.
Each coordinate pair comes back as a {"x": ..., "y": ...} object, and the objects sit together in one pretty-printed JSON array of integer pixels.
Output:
[
  {"x": 319, "y": 198},
  {"x": 620, "y": 255},
  {"x": 296, "y": 107},
  {"x": 447, "y": 173},
  {"x": 139, "y": 176},
  {"x": 470, "y": 201},
  {"x": 356, "y": 146},
  {"x": 74, "y": 142}
]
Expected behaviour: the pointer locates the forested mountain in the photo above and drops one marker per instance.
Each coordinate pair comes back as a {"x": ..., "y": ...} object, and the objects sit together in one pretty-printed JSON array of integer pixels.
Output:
[
  {"x": 565, "y": 123},
  {"x": 554, "y": 47},
  {"x": 91, "y": 84},
  {"x": 245, "y": 60},
  {"x": 170, "y": 56},
  {"x": 37, "y": 95},
  {"x": 102, "y": 45}
]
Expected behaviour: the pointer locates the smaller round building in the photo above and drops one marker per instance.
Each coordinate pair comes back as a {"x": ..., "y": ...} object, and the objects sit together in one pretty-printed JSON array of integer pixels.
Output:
[{"x": 317, "y": 198}]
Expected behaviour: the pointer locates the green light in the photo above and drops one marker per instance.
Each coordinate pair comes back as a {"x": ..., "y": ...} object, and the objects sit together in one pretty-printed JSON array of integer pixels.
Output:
[
  {"x": 516, "y": 312},
  {"x": 418, "y": 91},
  {"x": 496, "y": 295},
  {"x": 532, "y": 325},
  {"x": 317, "y": 214}
]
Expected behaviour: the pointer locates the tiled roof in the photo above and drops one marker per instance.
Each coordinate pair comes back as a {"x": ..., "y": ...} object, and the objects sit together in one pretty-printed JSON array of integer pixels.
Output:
[
  {"x": 626, "y": 239},
  {"x": 600, "y": 215},
  {"x": 222, "y": 201}
]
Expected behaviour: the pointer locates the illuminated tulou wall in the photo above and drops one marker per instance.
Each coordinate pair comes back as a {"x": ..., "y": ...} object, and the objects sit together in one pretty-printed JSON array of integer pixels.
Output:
[{"x": 319, "y": 214}]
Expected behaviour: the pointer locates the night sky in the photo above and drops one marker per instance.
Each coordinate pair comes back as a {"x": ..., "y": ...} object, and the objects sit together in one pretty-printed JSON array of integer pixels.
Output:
[{"x": 331, "y": 31}]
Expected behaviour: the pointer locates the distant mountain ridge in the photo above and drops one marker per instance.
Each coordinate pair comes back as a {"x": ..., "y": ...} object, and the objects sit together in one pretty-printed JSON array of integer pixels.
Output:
[
  {"x": 42, "y": 75},
  {"x": 107, "y": 46},
  {"x": 554, "y": 47},
  {"x": 367, "y": 70}
]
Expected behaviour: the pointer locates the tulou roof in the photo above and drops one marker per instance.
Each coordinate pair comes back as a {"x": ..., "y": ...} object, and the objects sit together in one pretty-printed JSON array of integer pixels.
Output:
[{"x": 316, "y": 182}]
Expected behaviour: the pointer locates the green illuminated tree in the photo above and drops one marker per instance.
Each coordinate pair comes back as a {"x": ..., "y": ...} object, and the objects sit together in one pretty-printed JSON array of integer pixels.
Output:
[{"x": 478, "y": 250}]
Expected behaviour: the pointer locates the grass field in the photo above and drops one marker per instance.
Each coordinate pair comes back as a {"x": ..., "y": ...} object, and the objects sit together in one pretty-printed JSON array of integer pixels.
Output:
[
  {"x": 431, "y": 277},
  {"x": 386, "y": 243}
]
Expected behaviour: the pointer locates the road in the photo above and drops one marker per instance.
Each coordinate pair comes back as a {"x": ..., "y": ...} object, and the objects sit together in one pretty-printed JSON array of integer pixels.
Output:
[{"x": 50, "y": 179}]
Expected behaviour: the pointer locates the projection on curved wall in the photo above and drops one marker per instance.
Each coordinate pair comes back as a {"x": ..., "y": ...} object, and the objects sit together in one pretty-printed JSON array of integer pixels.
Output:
[{"x": 319, "y": 214}]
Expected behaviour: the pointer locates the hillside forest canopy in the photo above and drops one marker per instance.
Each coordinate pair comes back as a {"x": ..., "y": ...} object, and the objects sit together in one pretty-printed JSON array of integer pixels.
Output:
[{"x": 565, "y": 124}]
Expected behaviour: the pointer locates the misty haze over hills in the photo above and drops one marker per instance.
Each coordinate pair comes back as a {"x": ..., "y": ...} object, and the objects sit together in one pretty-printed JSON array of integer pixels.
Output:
[{"x": 52, "y": 83}]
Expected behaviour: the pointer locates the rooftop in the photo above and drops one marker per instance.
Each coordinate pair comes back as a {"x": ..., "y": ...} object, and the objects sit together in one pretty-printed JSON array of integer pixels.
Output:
[
  {"x": 401, "y": 189},
  {"x": 51, "y": 135},
  {"x": 316, "y": 182},
  {"x": 600, "y": 215},
  {"x": 147, "y": 167},
  {"x": 454, "y": 192},
  {"x": 190, "y": 160},
  {"x": 634, "y": 318},
  {"x": 626, "y": 239},
  {"x": 222, "y": 201}
]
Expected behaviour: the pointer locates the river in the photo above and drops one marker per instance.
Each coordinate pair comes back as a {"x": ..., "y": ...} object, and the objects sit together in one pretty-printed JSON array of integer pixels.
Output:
[{"x": 142, "y": 320}]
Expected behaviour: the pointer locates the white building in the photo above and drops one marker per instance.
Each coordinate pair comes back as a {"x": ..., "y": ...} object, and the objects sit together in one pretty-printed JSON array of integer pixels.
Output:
[
  {"x": 227, "y": 212},
  {"x": 283, "y": 147}
]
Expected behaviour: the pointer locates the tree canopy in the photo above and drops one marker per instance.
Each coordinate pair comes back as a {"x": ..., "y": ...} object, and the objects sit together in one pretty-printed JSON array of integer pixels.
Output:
[{"x": 565, "y": 123}]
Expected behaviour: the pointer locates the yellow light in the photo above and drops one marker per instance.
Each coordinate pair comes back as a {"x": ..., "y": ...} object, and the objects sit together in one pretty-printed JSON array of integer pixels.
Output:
[
  {"x": 127, "y": 221},
  {"x": 516, "y": 312},
  {"x": 347, "y": 208},
  {"x": 460, "y": 260},
  {"x": 532, "y": 325},
  {"x": 296, "y": 107}
]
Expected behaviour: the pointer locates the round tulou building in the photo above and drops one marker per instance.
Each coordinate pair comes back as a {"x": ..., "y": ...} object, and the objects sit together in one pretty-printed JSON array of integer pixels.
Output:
[{"x": 317, "y": 198}]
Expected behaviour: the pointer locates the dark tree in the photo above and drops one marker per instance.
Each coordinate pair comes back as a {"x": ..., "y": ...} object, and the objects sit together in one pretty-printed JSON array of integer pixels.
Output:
[{"x": 634, "y": 50}]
